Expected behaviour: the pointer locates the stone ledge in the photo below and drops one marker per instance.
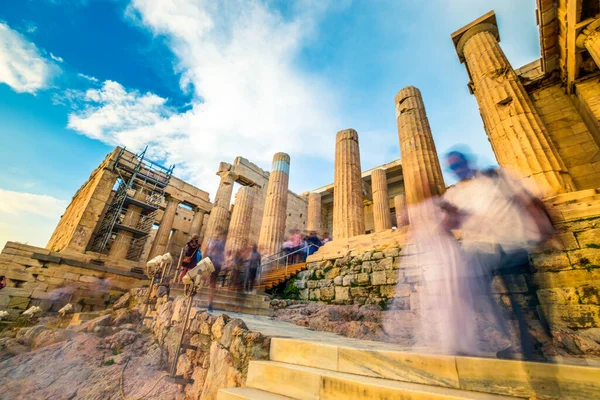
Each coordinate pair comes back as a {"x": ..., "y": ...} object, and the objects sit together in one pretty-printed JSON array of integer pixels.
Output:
[{"x": 80, "y": 264}]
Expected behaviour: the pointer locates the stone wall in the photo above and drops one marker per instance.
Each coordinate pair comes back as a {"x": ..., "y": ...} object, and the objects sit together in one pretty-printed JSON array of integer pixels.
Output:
[
  {"x": 76, "y": 225},
  {"x": 574, "y": 141},
  {"x": 561, "y": 284},
  {"x": 37, "y": 276},
  {"x": 224, "y": 345}
]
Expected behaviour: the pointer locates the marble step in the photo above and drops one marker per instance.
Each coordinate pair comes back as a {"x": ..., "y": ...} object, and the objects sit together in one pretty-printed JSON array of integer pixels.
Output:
[
  {"x": 572, "y": 196},
  {"x": 307, "y": 383},
  {"x": 503, "y": 377},
  {"x": 246, "y": 393}
]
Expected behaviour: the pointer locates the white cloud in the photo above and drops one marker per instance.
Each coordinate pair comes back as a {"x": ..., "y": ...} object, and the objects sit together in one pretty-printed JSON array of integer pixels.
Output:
[
  {"x": 249, "y": 97},
  {"x": 21, "y": 65},
  {"x": 56, "y": 58},
  {"x": 27, "y": 217},
  {"x": 89, "y": 78}
]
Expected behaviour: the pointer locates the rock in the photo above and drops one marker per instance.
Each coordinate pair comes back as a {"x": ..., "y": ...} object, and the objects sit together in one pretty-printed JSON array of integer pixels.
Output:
[
  {"x": 342, "y": 293},
  {"x": 124, "y": 316},
  {"x": 123, "y": 302},
  {"x": 332, "y": 273},
  {"x": 221, "y": 373},
  {"x": 338, "y": 281},
  {"x": 347, "y": 280},
  {"x": 327, "y": 293},
  {"x": 49, "y": 337},
  {"x": 233, "y": 327},
  {"x": 91, "y": 325},
  {"x": 219, "y": 325}
]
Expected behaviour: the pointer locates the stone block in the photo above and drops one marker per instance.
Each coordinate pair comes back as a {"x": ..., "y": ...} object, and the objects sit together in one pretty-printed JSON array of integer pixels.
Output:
[
  {"x": 324, "y": 283},
  {"x": 363, "y": 279},
  {"x": 338, "y": 281},
  {"x": 572, "y": 278},
  {"x": 386, "y": 264},
  {"x": 304, "y": 294},
  {"x": 311, "y": 284},
  {"x": 378, "y": 278},
  {"x": 300, "y": 284},
  {"x": 556, "y": 261},
  {"x": 314, "y": 294},
  {"x": 387, "y": 291},
  {"x": 359, "y": 292},
  {"x": 584, "y": 258},
  {"x": 589, "y": 294},
  {"x": 402, "y": 290},
  {"x": 65, "y": 275},
  {"x": 342, "y": 293},
  {"x": 377, "y": 255},
  {"x": 19, "y": 302},
  {"x": 558, "y": 296},
  {"x": 589, "y": 237},
  {"x": 348, "y": 280},
  {"x": 413, "y": 275},
  {"x": 515, "y": 283},
  {"x": 4, "y": 300},
  {"x": 394, "y": 276},
  {"x": 332, "y": 273},
  {"x": 391, "y": 252},
  {"x": 573, "y": 316},
  {"x": 409, "y": 261},
  {"x": 564, "y": 241},
  {"x": 20, "y": 292}
]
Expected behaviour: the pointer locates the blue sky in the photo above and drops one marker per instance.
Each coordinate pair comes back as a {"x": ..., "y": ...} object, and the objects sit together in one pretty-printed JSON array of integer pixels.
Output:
[{"x": 202, "y": 81}]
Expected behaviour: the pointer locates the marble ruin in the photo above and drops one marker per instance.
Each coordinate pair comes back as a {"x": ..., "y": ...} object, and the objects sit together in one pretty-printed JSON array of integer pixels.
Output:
[{"x": 542, "y": 120}]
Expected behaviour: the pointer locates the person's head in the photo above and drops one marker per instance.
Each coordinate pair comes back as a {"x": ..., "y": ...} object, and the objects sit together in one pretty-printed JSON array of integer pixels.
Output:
[
  {"x": 254, "y": 248},
  {"x": 313, "y": 234},
  {"x": 459, "y": 164},
  {"x": 194, "y": 240},
  {"x": 325, "y": 234}
]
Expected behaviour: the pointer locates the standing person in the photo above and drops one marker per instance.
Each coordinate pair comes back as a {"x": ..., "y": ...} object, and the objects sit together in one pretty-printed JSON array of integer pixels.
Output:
[
  {"x": 297, "y": 244},
  {"x": 215, "y": 251},
  {"x": 191, "y": 256},
  {"x": 314, "y": 243},
  {"x": 252, "y": 267},
  {"x": 499, "y": 219}
]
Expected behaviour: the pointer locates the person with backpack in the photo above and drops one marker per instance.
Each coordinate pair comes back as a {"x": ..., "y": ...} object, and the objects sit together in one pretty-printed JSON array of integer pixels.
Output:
[{"x": 191, "y": 256}]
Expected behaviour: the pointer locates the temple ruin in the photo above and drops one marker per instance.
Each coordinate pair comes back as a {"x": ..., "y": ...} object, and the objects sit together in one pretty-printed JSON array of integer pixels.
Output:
[{"x": 542, "y": 121}]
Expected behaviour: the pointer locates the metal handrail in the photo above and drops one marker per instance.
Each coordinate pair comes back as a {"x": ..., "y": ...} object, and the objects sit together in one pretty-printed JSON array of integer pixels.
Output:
[{"x": 286, "y": 256}]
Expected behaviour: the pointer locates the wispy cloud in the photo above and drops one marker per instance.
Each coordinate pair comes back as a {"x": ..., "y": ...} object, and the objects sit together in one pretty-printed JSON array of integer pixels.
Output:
[
  {"x": 22, "y": 67},
  {"x": 89, "y": 78},
  {"x": 56, "y": 58},
  {"x": 20, "y": 202},
  {"x": 249, "y": 98}
]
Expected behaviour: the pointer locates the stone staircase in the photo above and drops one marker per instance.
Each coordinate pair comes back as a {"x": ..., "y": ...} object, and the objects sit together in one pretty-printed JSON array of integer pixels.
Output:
[
  {"x": 279, "y": 275},
  {"x": 230, "y": 300},
  {"x": 307, "y": 370}
]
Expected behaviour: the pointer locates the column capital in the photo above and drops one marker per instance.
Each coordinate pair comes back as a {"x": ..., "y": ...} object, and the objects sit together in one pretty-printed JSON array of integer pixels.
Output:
[
  {"x": 485, "y": 23},
  {"x": 587, "y": 32},
  {"x": 228, "y": 174}
]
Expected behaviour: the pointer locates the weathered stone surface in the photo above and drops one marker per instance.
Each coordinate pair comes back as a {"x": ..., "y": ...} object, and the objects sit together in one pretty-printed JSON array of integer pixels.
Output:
[
  {"x": 573, "y": 316},
  {"x": 556, "y": 261},
  {"x": 342, "y": 293},
  {"x": 378, "y": 278},
  {"x": 327, "y": 293},
  {"x": 516, "y": 284},
  {"x": 363, "y": 279},
  {"x": 272, "y": 228}
]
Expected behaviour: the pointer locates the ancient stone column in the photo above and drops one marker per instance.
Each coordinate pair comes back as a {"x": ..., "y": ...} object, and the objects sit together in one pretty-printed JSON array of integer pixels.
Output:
[
  {"x": 313, "y": 219},
  {"x": 241, "y": 217},
  {"x": 348, "y": 208},
  {"x": 225, "y": 190},
  {"x": 204, "y": 225},
  {"x": 401, "y": 214},
  {"x": 420, "y": 164},
  {"x": 381, "y": 206},
  {"x": 161, "y": 241},
  {"x": 589, "y": 39},
  {"x": 517, "y": 134},
  {"x": 218, "y": 220},
  {"x": 272, "y": 228},
  {"x": 196, "y": 225},
  {"x": 120, "y": 246}
]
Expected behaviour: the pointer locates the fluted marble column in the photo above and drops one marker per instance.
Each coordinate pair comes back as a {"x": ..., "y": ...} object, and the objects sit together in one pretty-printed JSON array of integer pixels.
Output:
[
  {"x": 161, "y": 240},
  {"x": 272, "y": 228},
  {"x": 218, "y": 218},
  {"x": 196, "y": 225},
  {"x": 348, "y": 207},
  {"x": 589, "y": 39},
  {"x": 313, "y": 219},
  {"x": 401, "y": 214},
  {"x": 420, "y": 164},
  {"x": 203, "y": 227},
  {"x": 381, "y": 206},
  {"x": 517, "y": 134},
  {"x": 241, "y": 218}
]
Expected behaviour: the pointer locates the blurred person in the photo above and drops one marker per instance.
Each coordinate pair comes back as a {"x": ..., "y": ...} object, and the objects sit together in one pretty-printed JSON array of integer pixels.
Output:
[
  {"x": 326, "y": 238},
  {"x": 2, "y": 282},
  {"x": 191, "y": 256},
  {"x": 215, "y": 251},
  {"x": 238, "y": 262},
  {"x": 296, "y": 239},
  {"x": 252, "y": 267},
  {"x": 500, "y": 220},
  {"x": 313, "y": 242}
]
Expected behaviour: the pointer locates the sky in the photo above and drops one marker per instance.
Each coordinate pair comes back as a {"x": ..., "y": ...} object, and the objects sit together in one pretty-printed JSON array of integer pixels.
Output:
[{"x": 203, "y": 81}]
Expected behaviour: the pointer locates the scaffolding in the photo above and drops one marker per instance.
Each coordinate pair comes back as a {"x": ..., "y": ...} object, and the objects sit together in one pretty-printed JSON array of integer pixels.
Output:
[{"x": 140, "y": 183}]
